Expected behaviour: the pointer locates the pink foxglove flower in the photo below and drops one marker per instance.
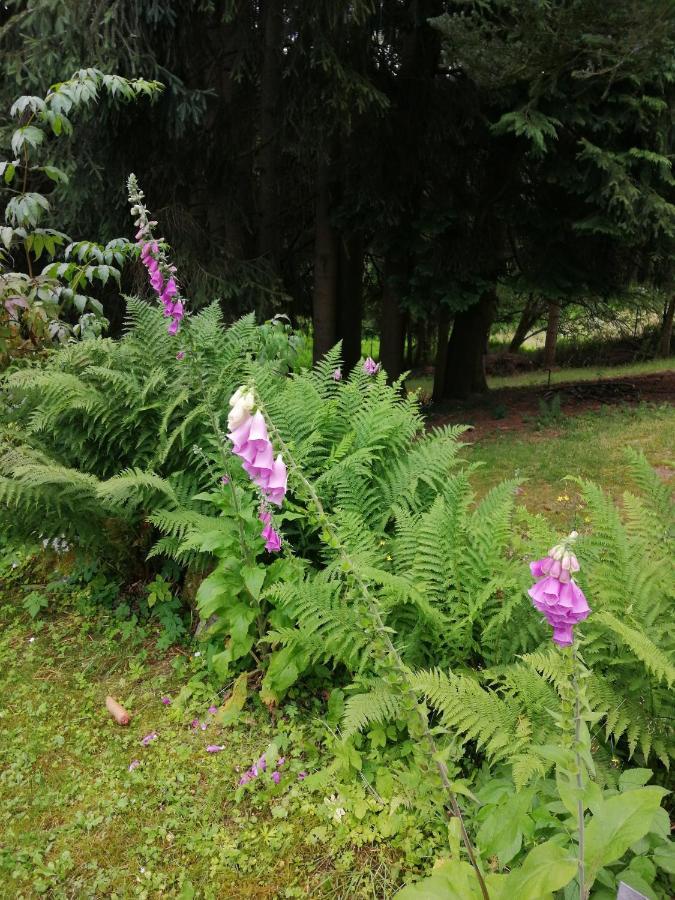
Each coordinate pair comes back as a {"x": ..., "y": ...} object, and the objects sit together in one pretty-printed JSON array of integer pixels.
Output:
[
  {"x": 213, "y": 710},
  {"x": 251, "y": 443},
  {"x": 302, "y": 776},
  {"x": 276, "y": 777},
  {"x": 166, "y": 701},
  {"x": 272, "y": 539},
  {"x": 337, "y": 374},
  {"x": 281, "y": 761},
  {"x": 370, "y": 367},
  {"x": 556, "y": 594}
]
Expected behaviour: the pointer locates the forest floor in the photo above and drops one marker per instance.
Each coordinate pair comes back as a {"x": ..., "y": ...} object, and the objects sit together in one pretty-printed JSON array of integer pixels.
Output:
[
  {"x": 526, "y": 432},
  {"x": 75, "y": 822}
]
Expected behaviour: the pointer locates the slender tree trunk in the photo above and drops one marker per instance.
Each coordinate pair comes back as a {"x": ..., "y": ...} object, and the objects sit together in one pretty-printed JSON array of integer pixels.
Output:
[
  {"x": 268, "y": 159},
  {"x": 408, "y": 328},
  {"x": 350, "y": 299},
  {"x": 551, "y": 333},
  {"x": 531, "y": 312},
  {"x": 465, "y": 368},
  {"x": 441, "y": 353},
  {"x": 666, "y": 329},
  {"x": 324, "y": 310},
  {"x": 392, "y": 327}
]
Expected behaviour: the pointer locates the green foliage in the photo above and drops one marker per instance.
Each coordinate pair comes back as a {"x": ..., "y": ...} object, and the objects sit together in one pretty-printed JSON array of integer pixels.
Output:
[
  {"x": 103, "y": 432},
  {"x": 34, "y": 306}
]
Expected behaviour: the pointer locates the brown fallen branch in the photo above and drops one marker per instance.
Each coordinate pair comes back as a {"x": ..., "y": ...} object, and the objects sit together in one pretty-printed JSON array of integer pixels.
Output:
[{"x": 119, "y": 713}]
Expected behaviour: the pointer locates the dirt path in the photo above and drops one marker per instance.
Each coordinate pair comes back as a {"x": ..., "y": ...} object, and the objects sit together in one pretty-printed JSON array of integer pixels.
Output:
[{"x": 516, "y": 409}]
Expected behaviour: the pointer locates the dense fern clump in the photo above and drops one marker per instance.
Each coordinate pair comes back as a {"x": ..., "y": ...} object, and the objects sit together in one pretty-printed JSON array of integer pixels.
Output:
[
  {"x": 105, "y": 430},
  {"x": 124, "y": 442}
]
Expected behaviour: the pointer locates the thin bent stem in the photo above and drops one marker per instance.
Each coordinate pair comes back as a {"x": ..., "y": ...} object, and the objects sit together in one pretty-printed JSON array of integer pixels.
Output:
[
  {"x": 583, "y": 894},
  {"x": 393, "y": 654}
]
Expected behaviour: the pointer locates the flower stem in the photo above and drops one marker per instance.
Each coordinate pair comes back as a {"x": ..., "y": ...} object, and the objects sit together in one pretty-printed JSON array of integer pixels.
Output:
[{"x": 583, "y": 893}]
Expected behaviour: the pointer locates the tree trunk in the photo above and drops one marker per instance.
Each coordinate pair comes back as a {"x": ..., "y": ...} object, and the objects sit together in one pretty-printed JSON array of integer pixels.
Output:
[
  {"x": 531, "y": 312},
  {"x": 350, "y": 297},
  {"x": 441, "y": 353},
  {"x": 392, "y": 327},
  {"x": 268, "y": 158},
  {"x": 666, "y": 329},
  {"x": 551, "y": 333},
  {"x": 324, "y": 309},
  {"x": 465, "y": 368}
]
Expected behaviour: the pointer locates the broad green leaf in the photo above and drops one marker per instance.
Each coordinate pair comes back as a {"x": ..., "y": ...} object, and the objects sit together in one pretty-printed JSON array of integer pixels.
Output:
[
  {"x": 230, "y": 710},
  {"x": 501, "y": 833},
  {"x": 29, "y": 135},
  {"x": 254, "y": 577},
  {"x": 213, "y": 594},
  {"x": 547, "y": 868},
  {"x": 664, "y": 857},
  {"x": 283, "y": 670},
  {"x": 633, "y": 778},
  {"x": 618, "y": 823},
  {"x": 451, "y": 880},
  {"x": 57, "y": 175}
]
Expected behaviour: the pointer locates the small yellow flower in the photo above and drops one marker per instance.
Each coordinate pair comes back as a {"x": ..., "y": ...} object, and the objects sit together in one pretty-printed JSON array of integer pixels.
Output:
[
  {"x": 389, "y": 557},
  {"x": 587, "y": 518}
]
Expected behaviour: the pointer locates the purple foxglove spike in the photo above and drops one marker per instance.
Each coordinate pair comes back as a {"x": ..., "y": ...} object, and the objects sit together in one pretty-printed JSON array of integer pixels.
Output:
[
  {"x": 563, "y": 635},
  {"x": 239, "y": 436},
  {"x": 278, "y": 482},
  {"x": 264, "y": 458},
  {"x": 173, "y": 327},
  {"x": 259, "y": 430},
  {"x": 276, "y": 777},
  {"x": 273, "y": 544}
]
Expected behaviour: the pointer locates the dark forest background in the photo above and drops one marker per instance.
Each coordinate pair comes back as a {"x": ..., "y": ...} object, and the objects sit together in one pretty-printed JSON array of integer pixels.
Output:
[{"x": 423, "y": 171}]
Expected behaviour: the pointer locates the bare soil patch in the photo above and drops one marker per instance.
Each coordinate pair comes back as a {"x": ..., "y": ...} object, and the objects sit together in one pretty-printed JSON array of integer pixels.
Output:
[{"x": 517, "y": 409}]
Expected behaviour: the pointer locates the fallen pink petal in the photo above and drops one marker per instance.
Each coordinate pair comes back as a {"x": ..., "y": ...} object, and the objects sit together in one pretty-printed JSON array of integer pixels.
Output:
[
  {"x": 134, "y": 764},
  {"x": 149, "y": 738},
  {"x": 215, "y": 748}
]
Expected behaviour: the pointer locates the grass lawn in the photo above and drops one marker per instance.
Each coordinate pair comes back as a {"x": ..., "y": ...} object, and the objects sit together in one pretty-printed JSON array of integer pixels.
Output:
[
  {"x": 528, "y": 379},
  {"x": 75, "y": 822},
  {"x": 590, "y": 445}
]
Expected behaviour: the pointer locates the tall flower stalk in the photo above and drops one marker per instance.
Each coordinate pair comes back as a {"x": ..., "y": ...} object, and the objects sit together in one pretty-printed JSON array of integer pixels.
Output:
[{"x": 561, "y": 600}]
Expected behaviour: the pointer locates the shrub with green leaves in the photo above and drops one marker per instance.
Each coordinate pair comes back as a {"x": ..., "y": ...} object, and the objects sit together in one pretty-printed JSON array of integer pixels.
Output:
[{"x": 37, "y": 306}]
